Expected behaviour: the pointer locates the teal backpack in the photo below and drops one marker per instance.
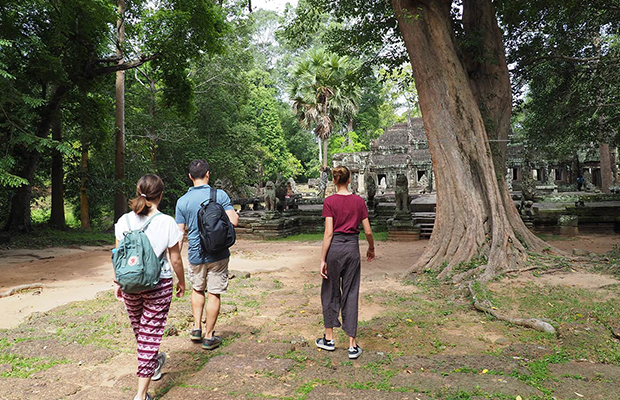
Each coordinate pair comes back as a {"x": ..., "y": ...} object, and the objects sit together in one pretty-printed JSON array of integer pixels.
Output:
[{"x": 136, "y": 266}]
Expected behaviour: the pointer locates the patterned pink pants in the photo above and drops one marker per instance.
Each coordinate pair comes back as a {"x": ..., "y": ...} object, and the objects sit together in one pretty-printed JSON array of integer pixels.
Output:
[{"x": 148, "y": 312}]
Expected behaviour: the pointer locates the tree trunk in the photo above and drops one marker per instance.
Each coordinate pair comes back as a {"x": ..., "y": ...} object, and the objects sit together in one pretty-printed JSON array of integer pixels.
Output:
[
  {"x": 19, "y": 215},
  {"x": 152, "y": 132},
  {"x": 474, "y": 217},
  {"x": 84, "y": 217},
  {"x": 120, "y": 202},
  {"x": 485, "y": 61},
  {"x": 613, "y": 157},
  {"x": 325, "y": 145},
  {"x": 606, "y": 170},
  {"x": 320, "y": 151},
  {"x": 57, "y": 215}
]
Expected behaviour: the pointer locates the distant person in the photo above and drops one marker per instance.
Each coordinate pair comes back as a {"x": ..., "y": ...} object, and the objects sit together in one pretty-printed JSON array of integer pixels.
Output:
[
  {"x": 341, "y": 261},
  {"x": 207, "y": 271},
  {"x": 148, "y": 310},
  {"x": 579, "y": 182}
]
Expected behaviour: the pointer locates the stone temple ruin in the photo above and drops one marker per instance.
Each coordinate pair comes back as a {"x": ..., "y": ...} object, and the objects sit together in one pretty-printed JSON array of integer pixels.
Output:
[
  {"x": 402, "y": 149},
  {"x": 396, "y": 178}
]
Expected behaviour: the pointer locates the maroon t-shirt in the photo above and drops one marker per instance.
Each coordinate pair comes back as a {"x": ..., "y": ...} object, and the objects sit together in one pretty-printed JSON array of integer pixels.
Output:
[{"x": 348, "y": 211}]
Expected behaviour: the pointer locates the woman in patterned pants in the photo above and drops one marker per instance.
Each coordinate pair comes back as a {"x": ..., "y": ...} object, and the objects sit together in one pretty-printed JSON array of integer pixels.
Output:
[{"x": 148, "y": 310}]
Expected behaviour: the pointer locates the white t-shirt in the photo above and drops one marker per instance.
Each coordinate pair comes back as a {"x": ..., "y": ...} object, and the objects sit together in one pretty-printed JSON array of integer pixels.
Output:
[{"x": 163, "y": 232}]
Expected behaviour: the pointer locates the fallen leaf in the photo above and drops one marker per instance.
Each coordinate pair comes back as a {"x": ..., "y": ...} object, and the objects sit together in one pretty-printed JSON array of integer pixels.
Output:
[
  {"x": 409, "y": 320},
  {"x": 484, "y": 371},
  {"x": 302, "y": 311},
  {"x": 578, "y": 394},
  {"x": 408, "y": 371},
  {"x": 493, "y": 308},
  {"x": 518, "y": 398}
]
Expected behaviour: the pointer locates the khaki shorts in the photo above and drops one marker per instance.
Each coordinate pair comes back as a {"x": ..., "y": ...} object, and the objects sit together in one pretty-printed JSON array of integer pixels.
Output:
[{"x": 211, "y": 276}]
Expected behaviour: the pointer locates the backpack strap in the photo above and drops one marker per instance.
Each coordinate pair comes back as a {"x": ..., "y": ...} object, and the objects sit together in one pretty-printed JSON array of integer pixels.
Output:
[
  {"x": 146, "y": 224},
  {"x": 212, "y": 198}
]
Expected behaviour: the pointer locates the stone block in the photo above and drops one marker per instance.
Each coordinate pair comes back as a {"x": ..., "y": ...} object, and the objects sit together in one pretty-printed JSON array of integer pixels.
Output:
[
  {"x": 568, "y": 225},
  {"x": 568, "y": 220}
]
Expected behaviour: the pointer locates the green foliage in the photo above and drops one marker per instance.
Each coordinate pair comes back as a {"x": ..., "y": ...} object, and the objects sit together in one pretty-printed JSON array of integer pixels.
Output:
[
  {"x": 44, "y": 236},
  {"x": 565, "y": 56},
  {"x": 350, "y": 143},
  {"x": 324, "y": 94},
  {"x": 276, "y": 158}
]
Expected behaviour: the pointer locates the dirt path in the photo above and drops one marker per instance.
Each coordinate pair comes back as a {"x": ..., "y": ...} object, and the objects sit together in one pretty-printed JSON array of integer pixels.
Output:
[{"x": 80, "y": 273}]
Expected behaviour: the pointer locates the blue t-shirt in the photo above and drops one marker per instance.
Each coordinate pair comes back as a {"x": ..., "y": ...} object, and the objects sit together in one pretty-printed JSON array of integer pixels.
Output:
[{"x": 187, "y": 213}]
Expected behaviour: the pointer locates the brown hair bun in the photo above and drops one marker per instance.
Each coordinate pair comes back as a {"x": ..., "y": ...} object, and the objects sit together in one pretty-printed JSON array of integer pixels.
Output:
[{"x": 341, "y": 175}]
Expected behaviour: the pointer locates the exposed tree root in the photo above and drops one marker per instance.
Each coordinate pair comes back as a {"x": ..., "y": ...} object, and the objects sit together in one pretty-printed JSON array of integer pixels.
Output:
[
  {"x": 19, "y": 288},
  {"x": 533, "y": 323}
]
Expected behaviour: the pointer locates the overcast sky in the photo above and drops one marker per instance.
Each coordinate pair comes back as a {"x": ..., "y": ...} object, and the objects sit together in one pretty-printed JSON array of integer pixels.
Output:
[{"x": 276, "y": 5}]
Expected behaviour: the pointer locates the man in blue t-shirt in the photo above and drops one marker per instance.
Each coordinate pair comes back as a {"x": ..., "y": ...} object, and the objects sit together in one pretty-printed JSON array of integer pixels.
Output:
[{"x": 207, "y": 271}]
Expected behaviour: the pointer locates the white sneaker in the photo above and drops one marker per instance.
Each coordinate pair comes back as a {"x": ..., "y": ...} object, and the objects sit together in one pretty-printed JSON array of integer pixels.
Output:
[
  {"x": 161, "y": 360},
  {"x": 355, "y": 352}
]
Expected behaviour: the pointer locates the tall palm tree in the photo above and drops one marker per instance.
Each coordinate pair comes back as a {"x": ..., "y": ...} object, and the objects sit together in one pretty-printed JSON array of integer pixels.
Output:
[{"x": 324, "y": 94}]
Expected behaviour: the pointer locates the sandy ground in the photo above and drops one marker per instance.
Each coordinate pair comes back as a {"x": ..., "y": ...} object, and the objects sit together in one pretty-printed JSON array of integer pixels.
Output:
[{"x": 80, "y": 273}]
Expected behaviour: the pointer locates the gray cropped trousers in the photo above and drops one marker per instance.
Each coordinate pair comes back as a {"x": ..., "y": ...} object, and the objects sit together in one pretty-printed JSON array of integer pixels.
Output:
[{"x": 340, "y": 292}]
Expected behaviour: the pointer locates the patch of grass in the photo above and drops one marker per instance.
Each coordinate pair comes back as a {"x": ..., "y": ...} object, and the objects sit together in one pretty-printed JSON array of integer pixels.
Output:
[
  {"x": 278, "y": 284},
  {"x": 302, "y": 237},
  {"x": 538, "y": 371},
  {"x": 23, "y": 367},
  {"x": 304, "y": 390},
  {"x": 473, "y": 264},
  {"x": 44, "y": 236},
  {"x": 317, "y": 237}
]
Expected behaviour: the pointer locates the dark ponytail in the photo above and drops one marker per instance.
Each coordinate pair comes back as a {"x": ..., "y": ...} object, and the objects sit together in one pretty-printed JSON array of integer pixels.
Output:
[{"x": 149, "y": 188}]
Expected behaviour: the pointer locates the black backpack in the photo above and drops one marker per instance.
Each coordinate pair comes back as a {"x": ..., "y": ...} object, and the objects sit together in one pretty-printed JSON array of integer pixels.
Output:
[{"x": 216, "y": 231}]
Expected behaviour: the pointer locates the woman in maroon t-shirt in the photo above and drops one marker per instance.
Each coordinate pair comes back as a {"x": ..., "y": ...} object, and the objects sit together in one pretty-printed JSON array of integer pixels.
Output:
[{"x": 340, "y": 261}]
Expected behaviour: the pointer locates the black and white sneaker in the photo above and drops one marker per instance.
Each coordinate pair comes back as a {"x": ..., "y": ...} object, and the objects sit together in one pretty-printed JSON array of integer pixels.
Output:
[
  {"x": 355, "y": 352},
  {"x": 161, "y": 360},
  {"x": 325, "y": 344}
]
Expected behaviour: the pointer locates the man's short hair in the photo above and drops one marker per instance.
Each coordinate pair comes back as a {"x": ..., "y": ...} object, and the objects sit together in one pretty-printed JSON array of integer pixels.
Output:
[{"x": 198, "y": 169}]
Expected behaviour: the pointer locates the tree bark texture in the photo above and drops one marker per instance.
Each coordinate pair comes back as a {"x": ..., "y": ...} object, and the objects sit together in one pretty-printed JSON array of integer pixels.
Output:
[
  {"x": 84, "y": 217},
  {"x": 19, "y": 215},
  {"x": 472, "y": 218},
  {"x": 57, "y": 214},
  {"x": 606, "y": 170},
  {"x": 485, "y": 59},
  {"x": 325, "y": 152},
  {"x": 120, "y": 201},
  {"x": 613, "y": 157}
]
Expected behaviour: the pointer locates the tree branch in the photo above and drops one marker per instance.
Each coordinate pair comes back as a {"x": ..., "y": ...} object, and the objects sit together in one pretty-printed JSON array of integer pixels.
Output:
[
  {"x": 109, "y": 59},
  {"x": 566, "y": 58},
  {"x": 124, "y": 66}
]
